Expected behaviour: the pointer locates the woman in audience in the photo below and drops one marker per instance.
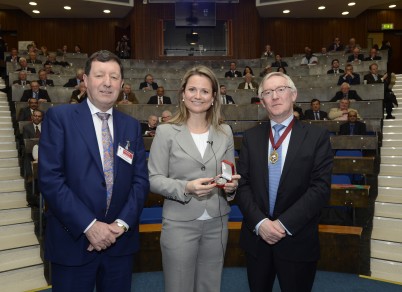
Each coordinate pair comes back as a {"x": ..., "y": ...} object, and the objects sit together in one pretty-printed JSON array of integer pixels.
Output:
[
  {"x": 282, "y": 69},
  {"x": 184, "y": 163},
  {"x": 248, "y": 69}
]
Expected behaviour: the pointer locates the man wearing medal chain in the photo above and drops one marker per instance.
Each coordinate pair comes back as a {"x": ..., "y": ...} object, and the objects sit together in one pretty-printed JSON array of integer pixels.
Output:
[{"x": 285, "y": 182}]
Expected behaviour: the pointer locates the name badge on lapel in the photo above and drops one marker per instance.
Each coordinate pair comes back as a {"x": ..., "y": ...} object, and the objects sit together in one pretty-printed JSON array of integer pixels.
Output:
[{"x": 126, "y": 154}]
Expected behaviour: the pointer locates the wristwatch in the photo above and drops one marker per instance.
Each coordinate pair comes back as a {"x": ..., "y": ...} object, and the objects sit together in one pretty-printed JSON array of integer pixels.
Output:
[{"x": 121, "y": 226}]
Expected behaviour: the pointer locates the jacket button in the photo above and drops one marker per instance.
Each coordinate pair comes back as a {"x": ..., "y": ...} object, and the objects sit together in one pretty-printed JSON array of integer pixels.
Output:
[{"x": 203, "y": 168}]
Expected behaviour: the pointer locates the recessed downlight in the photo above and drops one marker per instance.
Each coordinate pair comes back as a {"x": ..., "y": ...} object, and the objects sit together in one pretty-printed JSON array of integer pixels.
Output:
[
  {"x": 33, "y": 3},
  {"x": 67, "y": 7},
  {"x": 351, "y": 4},
  {"x": 345, "y": 13},
  {"x": 36, "y": 11},
  {"x": 321, "y": 7},
  {"x": 286, "y": 11},
  {"x": 106, "y": 11},
  {"x": 392, "y": 6}
]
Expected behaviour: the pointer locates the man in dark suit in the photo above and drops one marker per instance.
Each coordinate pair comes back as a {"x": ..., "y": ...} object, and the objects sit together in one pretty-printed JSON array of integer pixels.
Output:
[
  {"x": 13, "y": 57},
  {"x": 356, "y": 56},
  {"x": 34, "y": 129},
  {"x": 32, "y": 59},
  {"x": 74, "y": 82},
  {"x": 35, "y": 92},
  {"x": 349, "y": 76},
  {"x": 226, "y": 99},
  {"x": 24, "y": 66},
  {"x": 22, "y": 79},
  {"x": 232, "y": 73},
  {"x": 373, "y": 77},
  {"x": 148, "y": 83},
  {"x": 278, "y": 62},
  {"x": 281, "y": 203},
  {"x": 160, "y": 97},
  {"x": 26, "y": 113},
  {"x": 126, "y": 96},
  {"x": 43, "y": 81},
  {"x": 95, "y": 195},
  {"x": 346, "y": 93},
  {"x": 315, "y": 114},
  {"x": 353, "y": 126},
  {"x": 335, "y": 68},
  {"x": 149, "y": 128},
  {"x": 336, "y": 45},
  {"x": 248, "y": 83},
  {"x": 373, "y": 55}
]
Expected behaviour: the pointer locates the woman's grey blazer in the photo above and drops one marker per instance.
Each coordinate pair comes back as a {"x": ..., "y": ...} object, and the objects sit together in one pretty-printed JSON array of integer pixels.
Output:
[{"x": 174, "y": 160}]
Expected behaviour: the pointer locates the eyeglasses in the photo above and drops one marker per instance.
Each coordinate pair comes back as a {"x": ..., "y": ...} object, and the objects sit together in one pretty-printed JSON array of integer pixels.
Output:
[{"x": 280, "y": 91}]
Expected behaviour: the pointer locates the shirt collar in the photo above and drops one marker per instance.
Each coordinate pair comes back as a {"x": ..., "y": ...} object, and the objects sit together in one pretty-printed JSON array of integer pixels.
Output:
[
  {"x": 285, "y": 122},
  {"x": 95, "y": 110}
]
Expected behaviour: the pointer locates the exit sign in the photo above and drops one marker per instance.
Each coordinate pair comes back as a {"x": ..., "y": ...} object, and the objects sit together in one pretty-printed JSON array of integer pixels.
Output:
[{"x": 387, "y": 26}]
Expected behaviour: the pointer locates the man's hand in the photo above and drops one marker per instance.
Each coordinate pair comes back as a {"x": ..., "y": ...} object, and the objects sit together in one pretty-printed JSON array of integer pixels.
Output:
[
  {"x": 102, "y": 235},
  {"x": 271, "y": 231}
]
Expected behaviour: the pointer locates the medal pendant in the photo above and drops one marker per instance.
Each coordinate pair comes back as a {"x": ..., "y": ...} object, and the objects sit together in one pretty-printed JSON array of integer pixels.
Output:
[{"x": 273, "y": 158}]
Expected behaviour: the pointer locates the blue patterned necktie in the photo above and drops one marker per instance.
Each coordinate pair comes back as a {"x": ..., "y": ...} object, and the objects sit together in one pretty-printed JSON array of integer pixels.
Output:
[
  {"x": 274, "y": 171},
  {"x": 107, "y": 143}
]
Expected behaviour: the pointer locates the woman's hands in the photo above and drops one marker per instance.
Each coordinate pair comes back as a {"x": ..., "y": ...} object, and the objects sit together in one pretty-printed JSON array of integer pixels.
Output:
[{"x": 201, "y": 186}]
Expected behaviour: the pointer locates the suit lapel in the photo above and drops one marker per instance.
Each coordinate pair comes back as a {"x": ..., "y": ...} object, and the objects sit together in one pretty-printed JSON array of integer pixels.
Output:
[
  {"x": 213, "y": 148},
  {"x": 186, "y": 142},
  {"x": 118, "y": 128},
  {"x": 84, "y": 125},
  {"x": 295, "y": 143},
  {"x": 261, "y": 146}
]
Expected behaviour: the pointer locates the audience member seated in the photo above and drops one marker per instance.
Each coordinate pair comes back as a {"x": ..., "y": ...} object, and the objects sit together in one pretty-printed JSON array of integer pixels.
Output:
[
  {"x": 48, "y": 68},
  {"x": 248, "y": 83},
  {"x": 166, "y": 116},
  {"x": 232, "y": 73},
  {"x": 26, "y": 113},
  {"x": 148, "y": 83},
  {"x": 43, "y": 51},
  {"x": 298, "y": 112},
  {"x": 62, "y": 51},
  {"x": 373, "y": 76},
  {"x": 22, "y": 79},
  {"x": 35, "y": 92},
  {"x": 268, "y": 53},
  {"x": 74, "y": 82},
  {"x": 356, "y": 56},
  {"x": 248, "y": 69},
  {"x": 346, "y": 93},
  {"x": 336, "y": 45},
  {"x": 226, "y": 99},
  {"x": 282, "y": 69},
  {"x": 13, "y": 57},
  {"x": 351, "y": 45},
  {"x": 126, "y": 96},
  {"x": 315, "y": 113},
  {"x": 278, "y": 62},
  {"x": 51, "y": 59},
  {"x": 24, "y": 66},
  {"x": 80, "y": 94},
  {"x": 335, "y": 68},
  {"x": 353, "y": 126},
  {"x": 148, "y": 129},
  {"x": 324, "y": 51},
  {"x": 341, "y": 113},
  {"x": 32, "y": 59},
  {"x": 267, "y": 70},
  {"x": 77, "y": 49},
  {"x": 373, "y": 55},
  {"x": 160, "y": 97},
  {"x": 255, "y": 100},
  {"x": 309, "y": 58},
  {"x": 43, "y": 81},
  {"x": 349, "y": 76}
]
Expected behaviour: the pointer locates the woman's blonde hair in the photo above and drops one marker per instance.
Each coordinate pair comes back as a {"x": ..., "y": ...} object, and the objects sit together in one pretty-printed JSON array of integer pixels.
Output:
[{"x": 214, "y": 115}]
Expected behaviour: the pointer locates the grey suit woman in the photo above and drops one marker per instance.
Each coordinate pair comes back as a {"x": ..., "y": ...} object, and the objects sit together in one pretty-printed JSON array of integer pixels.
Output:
[{"x": 185, "y": 158}]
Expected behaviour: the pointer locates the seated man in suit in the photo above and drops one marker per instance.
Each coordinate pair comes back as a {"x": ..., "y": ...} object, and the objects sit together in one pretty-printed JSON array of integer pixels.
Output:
[
  {"x": 35, "y": 92},
  {"x": 80, "y": 94},
  {"x": 148, "y": 83},
  {"x": 24, "y": 66},
  {"x": 336, "y": 45},
  {"x": 126, "y": 96},
  {"x": 149, "y": 128},
  {"x": 315, "y": 113},
  {"x": 248, "y": 83},
  {"x": 13, "y": 57},
  {"x": 74, "y": 82},
  {"x": 160, "y": 97},
  {"x": 373, "y": 76},
  {"x": 232, "y": 73},
  {"x": 22, "y": 79},
  {"x": 43, "y": 81},
  {"x": 353, "y": 126},
  {"x": 346, "y": 93},
  {"x": 268, "y": 53},
  {"x": 226, "y": 99},
  {"x": 26, "y": 113},
  {"x": 373, "y": 55},
  {"x": 349, "y": 76},
  {"x": 51, "y": 59},
  {"x": 309, "y": 58},
  {"x": 356, "y": 56},
  {"x": 278, "y": 62},
  {"x": 341, "y": 113},
  {"x": 32, "y": 60},
  {"x": 335, "y": 67}
]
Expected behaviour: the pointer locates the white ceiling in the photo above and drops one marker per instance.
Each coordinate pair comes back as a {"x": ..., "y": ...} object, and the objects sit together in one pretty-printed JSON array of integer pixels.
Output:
[{"x": 266, "y": 8}]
